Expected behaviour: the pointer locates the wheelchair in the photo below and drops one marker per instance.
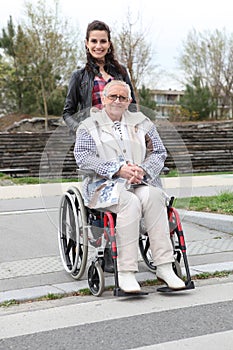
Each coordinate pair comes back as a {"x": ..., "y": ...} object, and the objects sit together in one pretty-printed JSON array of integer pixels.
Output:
[{"x": 81, "y": 227}]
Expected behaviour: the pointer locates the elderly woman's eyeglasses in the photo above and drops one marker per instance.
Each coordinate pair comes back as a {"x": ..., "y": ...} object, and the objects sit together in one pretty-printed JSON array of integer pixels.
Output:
[{"x": 119, "y": 97}]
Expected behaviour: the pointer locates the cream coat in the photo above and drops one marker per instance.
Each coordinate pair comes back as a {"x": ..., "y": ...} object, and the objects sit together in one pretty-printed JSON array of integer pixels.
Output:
[{"x": 99, "y": 192}]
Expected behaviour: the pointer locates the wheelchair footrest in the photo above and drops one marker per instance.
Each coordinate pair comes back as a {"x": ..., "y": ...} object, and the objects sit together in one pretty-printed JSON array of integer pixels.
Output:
[
  {"x": 118, "y": 292},
  {"x": 188, "y": 285}
]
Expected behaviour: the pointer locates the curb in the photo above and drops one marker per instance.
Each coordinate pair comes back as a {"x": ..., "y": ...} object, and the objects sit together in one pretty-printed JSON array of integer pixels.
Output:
[
  {"x": 217, "y": 222},
  {"x": 71, "y": 287}
]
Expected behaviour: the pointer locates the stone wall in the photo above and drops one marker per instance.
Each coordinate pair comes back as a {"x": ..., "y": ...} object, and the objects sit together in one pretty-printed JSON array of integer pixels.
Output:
[{"x": 200, "y": 147}]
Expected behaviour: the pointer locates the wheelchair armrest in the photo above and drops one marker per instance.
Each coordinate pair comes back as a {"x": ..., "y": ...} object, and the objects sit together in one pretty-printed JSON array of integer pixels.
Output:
[{"x": 85, "y": 172}]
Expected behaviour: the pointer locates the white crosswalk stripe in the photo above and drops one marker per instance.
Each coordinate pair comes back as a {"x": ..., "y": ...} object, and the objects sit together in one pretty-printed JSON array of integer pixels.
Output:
[
  {"x": 215, "y": 341},
  {"x": 96, "y": 310}
]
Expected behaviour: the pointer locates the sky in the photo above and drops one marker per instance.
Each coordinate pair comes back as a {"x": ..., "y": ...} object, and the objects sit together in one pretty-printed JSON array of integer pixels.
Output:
[{"x": 167, "y": 22}]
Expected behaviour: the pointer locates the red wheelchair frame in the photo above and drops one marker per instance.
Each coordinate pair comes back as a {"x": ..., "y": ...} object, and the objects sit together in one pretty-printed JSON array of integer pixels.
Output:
[{"x": 74, "y": 222}]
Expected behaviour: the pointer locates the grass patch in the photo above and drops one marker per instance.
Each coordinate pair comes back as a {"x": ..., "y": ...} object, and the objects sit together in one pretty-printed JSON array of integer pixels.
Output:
[
  {"x": 221, "y": 204},
  {"x": 84, "y": 291},
  {"x": 35, "y": 180},
  {"x": 207, "y": 275},
  {"x": 9, "y": 303},
  {"x": 49, "y": 296},
  {"x": 172, "y": 173},
  {"x": 200, "y": 276},
  {"x": 52, "y": 296},
  {"x": 29, "y": 180},
  {"x": 176, "y": 173}
]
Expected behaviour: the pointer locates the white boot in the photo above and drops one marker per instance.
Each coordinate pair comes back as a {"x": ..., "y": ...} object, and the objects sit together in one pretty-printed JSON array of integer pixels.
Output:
[
  {"x": 128, "y": 282},
  {"x": 166, "y": 273}
]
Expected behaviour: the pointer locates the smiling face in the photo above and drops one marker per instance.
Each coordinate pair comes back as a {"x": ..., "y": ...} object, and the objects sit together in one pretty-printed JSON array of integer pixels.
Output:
[
  {"x": 98, "y": 44},
  {"x": 116, "y": 100}
]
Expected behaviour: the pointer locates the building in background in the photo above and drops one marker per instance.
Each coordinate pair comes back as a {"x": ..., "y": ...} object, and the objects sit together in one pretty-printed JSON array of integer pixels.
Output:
[{"x": 166, "y": 100}]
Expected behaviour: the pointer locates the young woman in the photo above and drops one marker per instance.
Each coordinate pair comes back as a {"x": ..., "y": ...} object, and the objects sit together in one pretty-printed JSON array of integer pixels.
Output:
[{"x": 86, "y": 84}]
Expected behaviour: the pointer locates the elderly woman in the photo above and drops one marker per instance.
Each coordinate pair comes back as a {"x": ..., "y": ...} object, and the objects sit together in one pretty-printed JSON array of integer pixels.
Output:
[{"x": 126, "y": 154}]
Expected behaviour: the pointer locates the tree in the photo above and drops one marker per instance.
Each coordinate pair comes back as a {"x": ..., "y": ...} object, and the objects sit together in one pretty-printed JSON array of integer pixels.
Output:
[
  {"x": 146, "y": 102},
  {"x": 41, "y": 53},
  {"x": 5, "y": 71},
  {"x": 146, "y": 98},
  {"x": 134, "y": 52},
  {"x": 14, "y": 45},
  {"x": 209, "y": 56},
  {"x": 198, "y": 100},
  {"x": 53, "y": 51}
]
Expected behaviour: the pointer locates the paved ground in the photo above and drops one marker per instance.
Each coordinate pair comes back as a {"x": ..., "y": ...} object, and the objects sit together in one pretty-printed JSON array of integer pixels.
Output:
[{"x": 30, "y": 265}]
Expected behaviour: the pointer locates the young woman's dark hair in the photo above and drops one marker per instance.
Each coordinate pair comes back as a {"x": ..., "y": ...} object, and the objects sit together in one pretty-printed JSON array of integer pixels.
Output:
[{"x": 110, "y": 56}]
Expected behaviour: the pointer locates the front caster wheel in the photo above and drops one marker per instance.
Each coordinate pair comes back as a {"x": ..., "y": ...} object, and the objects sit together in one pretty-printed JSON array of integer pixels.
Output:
[{"x": 96, "y": 279}]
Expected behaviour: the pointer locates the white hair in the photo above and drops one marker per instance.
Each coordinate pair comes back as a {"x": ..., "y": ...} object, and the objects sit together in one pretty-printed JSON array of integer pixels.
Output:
[{"x": 117, "y": 82}]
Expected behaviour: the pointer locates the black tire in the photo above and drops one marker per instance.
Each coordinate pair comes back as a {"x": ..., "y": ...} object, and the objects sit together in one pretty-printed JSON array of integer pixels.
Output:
[
  {"x": 177, "y": 268},
  {"x": 72, "y": 233},
  {"x": 144, "y": 247},
  {"x": 177, "y": 254},
  {"x": 96, "y": 279}
]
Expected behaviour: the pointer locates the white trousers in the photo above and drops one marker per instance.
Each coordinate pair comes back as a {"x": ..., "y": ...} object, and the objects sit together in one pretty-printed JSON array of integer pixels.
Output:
[{"x": 149, "y": 202}]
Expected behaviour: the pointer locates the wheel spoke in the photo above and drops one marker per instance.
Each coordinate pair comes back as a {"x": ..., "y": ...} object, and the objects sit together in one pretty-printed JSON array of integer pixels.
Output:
[{"x": 71, "y": 245}]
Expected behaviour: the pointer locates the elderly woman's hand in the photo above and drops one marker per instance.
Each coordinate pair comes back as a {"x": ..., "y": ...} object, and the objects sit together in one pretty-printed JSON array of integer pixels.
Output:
[{"x": 132, "y": 172}]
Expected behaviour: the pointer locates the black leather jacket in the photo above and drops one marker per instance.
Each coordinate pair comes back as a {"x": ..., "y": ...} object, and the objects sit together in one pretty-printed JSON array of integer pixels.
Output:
[{"x": 79, "y": 96}]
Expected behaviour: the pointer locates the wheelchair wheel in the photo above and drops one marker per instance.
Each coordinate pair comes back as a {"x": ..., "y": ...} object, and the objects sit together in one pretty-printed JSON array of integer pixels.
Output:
[
  {"x": 174, "y": 235},
  {"x": 144, "y": 247},
  {"x": 177, "y": 255},
  {"x": 96, "y": 279},
  {"x": 72, "y": 233},
  {"x": 177, "y": 268}
]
